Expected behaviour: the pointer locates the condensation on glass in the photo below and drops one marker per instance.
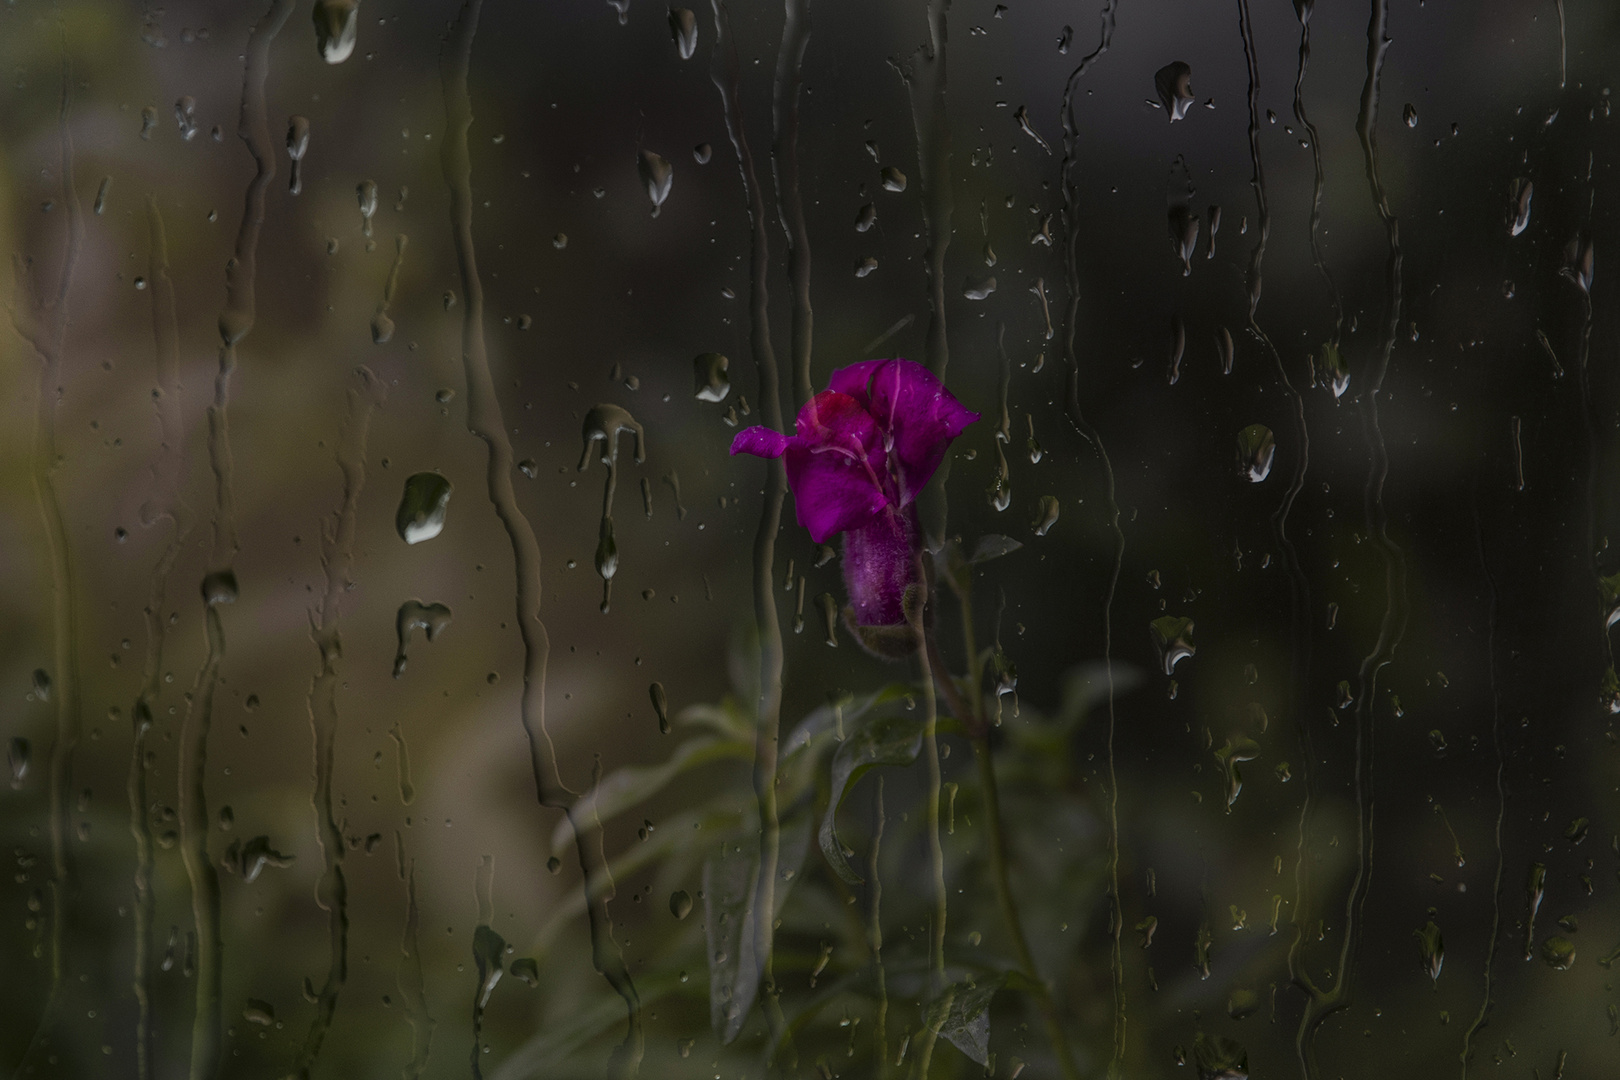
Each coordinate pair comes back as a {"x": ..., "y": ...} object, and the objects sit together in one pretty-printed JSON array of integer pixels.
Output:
[{"x": 1191, "y": 656}]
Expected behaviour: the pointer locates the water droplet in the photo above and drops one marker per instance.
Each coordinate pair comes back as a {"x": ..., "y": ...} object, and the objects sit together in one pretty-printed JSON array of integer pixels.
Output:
[
  {"x": 1335, "y": 369},
  {"x": 219, "y": 587},
  {"x": 259, "y": 1012},
  {"x": 529, "y": 467},
  {"x": 297, "y": 147},
  {"x": 865, "y": 217},
  {"x": 680, "y": 903},
  {"x": 365, "y": 194},
  {"x": 337, "y": 22},
  {"x": 709, "y": 376},
  {"x": 148, "y": 121},
  {"x": 979, "y": 290},
  {"x": 893, "y": 179},
  {"x": 702, "y": 152},
  {"x": 422, "y": 507},
  {"x": 1558, "y": 952},
  {"x": 829, "y": 617},
  {"x": 414, "y": 615},
  {"x": 1178, "y": 348},
  {"x": 1000, "y": 490},
  {"x": 1046, "y": 515},
  {"x": 1409, "y": 114},
  {"x": 683, "y": 28},
  {"x": 1519, "y": 192},
  {"x": 1174, "y": 85},
  {"x": 526, "y": 971},
  {"x": 865, "y": 265},
  {"x": 19, "y": 755},
  {"x": 657, "y": 174},
  {"x": 251, "y": 858},
  {"x": 1183, "y": 234},
  {"x": 185, "y": 115},
  {"x": 1432, "y": 946},
  {"x": 382, "y": 328},
  {"x": 1255, "y": 449},
  {"x": 1172, "y": 637},
  {"x": 297, "y": 137},
  {"x": 660, "y": 704},
  {"x": 101, "y": 194}
]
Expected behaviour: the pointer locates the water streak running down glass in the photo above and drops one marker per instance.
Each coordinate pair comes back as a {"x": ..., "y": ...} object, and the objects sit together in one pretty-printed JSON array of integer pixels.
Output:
[{"x": 1157, "y": 619}]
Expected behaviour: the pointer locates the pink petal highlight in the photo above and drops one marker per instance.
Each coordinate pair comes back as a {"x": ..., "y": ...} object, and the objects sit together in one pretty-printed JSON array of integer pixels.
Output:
[
  {"x": 854, "y": 379},
  {"x": 759, "y": 441},
  {"x": 916, "y": 412}
]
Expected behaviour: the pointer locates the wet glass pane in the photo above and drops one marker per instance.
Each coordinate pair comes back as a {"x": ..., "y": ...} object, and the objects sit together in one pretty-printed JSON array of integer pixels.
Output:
[{"x": 820, "y": 540}]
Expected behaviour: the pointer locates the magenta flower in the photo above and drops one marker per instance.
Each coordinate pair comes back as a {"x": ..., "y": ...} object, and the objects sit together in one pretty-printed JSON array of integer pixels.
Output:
[{"x": 864, "y": 448}]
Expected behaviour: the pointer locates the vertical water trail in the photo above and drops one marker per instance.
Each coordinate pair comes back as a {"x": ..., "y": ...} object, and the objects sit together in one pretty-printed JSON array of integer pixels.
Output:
[
  {"x": 1578, "y": 271},
  {"x": 219, "y": 584},
  {"x": 364, "y": 395},
  {"x": 789, "y": 201},
  {"x": 382, "y": 327},
  {"x": 1298, "y": 584},
  {"x": 412, "y": 988},
  {"x": 603, "y": 425},
  {"x": 485, "y": 422},
  {"x": 407, "y": 790},
  {"x": 42, "y": 321},
  {"x": 1304, "y": 8},
  {"x": 874, "y": 932},
  {"x": 1320, "y": 1004},
  {"x": 924, "y": 74},
  {"x": 936, "y": 852},
  {"x": 768, "y": 707},
  {"x": 1485, "y": 1005},
  {"x": 488, "y": 955},
  {"x": 1563, "y": 46},
  {"x": 1087, "y": 431},
  {"x": 165, "y": 502}
]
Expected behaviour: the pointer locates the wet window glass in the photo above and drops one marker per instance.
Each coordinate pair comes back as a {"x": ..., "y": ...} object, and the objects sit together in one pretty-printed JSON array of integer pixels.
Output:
[{"x": 873, "y": 540}]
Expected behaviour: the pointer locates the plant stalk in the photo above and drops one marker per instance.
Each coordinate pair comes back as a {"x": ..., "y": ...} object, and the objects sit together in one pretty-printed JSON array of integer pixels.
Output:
[{"x": 971, "y": 715}]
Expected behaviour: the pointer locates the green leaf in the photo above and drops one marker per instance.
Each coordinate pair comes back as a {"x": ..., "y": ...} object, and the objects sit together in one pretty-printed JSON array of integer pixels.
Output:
[
  {"x": 624, "y": 788},
  {"x": 591, "y": 1017},
  {"x": 841, "y": 715},
  {"x": 737, "y": 949},
  {"x": 965, "y": 1022},
  {"x": 727, "y": 718},
  {"x": 885, "y": 740}
]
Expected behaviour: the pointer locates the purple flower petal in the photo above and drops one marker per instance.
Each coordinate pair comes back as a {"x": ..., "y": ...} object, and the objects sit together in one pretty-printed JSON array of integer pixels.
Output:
[
  {"x": 759, "y": 441},
  {"x": 916, "y": 412},
  {"x": 855, "y": 379},
  {"x": 835, "y": 465},
  {"x": 880, "y": 562}
]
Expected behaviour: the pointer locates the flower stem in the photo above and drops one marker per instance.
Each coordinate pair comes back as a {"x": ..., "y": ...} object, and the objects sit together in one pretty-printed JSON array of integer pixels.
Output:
[
  {"x": 972, "y": 718},
  {"x": 1052, "y": 1018}
]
